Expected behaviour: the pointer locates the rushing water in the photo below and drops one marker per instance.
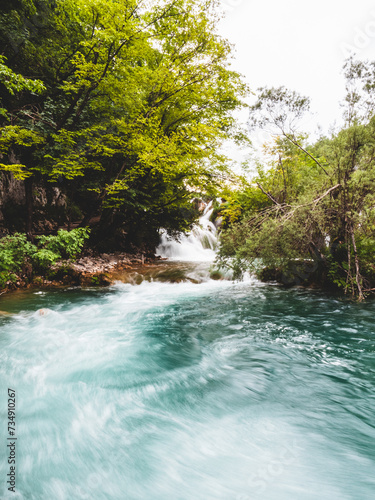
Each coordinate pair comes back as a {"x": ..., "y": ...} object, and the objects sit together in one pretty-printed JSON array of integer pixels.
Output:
[
  {"x": 173, "y": 386},
  {"x": 217, "y": 390},
  {"x": 198, "y": 246}
]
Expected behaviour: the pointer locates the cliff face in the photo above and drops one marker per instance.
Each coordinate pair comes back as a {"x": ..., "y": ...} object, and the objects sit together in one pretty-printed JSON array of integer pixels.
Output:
[
  {"x": 11, "y": 189},
  {"x": 49, "y": 205}
]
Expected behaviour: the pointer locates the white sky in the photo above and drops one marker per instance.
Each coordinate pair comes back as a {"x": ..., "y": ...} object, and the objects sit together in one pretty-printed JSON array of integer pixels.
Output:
[{"x": 301, "y": 45}]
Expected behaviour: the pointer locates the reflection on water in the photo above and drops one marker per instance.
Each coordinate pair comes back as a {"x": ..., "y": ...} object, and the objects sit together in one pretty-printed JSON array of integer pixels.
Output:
[{"x": 216, "y": 390}]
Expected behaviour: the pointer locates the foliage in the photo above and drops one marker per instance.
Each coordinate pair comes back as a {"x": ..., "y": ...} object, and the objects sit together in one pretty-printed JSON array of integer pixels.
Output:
[
  {"x": 239, "y": 202},
  {"x": 15, "y": 257},
  {"x": 15, "y": 252},
  {"x": 136, "y": 102},
  {"x": 16, "y": 83},
  {"x": 278, "y": 108},
  {"x": 321, "y": 196},
  {"x": 18, "y": 256},
  {"x": 64, "y": 245},
  {"x": 44, "y": 259}
]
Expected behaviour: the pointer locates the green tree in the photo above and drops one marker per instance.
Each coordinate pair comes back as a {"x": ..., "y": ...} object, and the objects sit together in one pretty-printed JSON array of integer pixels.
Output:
[
  {"x": 137, "y": 104},
  {"x": 321, "y": 198}
]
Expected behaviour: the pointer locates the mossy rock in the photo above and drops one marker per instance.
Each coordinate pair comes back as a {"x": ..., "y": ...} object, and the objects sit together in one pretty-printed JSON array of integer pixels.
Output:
[
  {"x": 172, "y": 275},
  {"x": 100, "y": 279},
  {"x": 216, "y": 275}
]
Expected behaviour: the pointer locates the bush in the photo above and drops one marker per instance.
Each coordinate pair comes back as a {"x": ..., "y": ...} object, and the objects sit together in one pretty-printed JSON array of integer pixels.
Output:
[
  {"x": 44, "y": 259},
  {"x": 6, "y": 277},
  {"x": 15, "y": 252},
  {"x": 19, "y": 256},
  {"x": 66, "y": 244}
]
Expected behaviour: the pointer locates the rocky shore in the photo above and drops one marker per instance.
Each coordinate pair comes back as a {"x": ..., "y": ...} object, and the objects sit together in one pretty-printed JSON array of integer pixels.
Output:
[
  {"x": 106, "y": 262},
  {"x": 89, "y": 270}
]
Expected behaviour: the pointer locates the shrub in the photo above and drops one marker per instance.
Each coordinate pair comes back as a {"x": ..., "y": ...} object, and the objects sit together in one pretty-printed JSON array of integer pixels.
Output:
[
  {"x": 15, "y": 252},
  {"x": 66, "y": 244},
  {"x": 6, "y": 277},
  {"x": 44, "y": 259},
  {"x": 19, "y": 256}
]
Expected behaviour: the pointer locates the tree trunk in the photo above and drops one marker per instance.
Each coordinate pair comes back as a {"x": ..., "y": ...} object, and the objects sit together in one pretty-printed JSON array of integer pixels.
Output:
[
  {"x": 349, "y": 281},
  {"x": 358, "y": 276}
]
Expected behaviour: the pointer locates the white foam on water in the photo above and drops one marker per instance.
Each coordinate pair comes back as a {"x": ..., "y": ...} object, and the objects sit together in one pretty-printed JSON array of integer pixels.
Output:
[{"x": 197, "y": 246}]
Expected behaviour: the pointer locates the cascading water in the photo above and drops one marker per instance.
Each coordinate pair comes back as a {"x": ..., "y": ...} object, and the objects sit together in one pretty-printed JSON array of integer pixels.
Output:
[{"x": 197, "y": 246}]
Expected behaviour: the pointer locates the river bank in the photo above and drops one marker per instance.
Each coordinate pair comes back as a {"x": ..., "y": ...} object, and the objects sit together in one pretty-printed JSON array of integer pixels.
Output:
[
  {"x": 52, "y": 261},
  {"x": 89, "y": 270}
]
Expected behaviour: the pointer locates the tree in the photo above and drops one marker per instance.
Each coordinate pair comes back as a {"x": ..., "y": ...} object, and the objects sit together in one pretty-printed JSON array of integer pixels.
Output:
[
  {"x": 137, "y": 103},
  {"x": 321, "y": 198}
]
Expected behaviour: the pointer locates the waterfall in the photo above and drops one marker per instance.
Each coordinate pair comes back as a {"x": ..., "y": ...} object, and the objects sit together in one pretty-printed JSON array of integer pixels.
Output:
[{"x": 197, "y": 246}]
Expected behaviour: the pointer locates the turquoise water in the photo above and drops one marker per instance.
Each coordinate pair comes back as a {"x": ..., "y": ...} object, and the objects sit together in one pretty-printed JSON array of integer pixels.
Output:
[{"x": 189, "y": 391}]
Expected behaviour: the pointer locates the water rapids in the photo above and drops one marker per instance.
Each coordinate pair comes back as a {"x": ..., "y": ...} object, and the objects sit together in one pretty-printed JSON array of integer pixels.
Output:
[{"x": 198, "y": 390}]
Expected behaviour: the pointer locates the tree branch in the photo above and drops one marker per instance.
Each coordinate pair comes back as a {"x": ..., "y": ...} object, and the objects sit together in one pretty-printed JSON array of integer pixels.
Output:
[
  {"x": 293, "y": 141},
  {"x": 269, "y": 195}
]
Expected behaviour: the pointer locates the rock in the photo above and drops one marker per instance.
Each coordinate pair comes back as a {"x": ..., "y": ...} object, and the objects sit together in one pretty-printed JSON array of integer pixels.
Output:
[
  {"x": 218, "y": 222},
  {"x": 5, "y": 313},
  {"x": 95, "y": 279}
]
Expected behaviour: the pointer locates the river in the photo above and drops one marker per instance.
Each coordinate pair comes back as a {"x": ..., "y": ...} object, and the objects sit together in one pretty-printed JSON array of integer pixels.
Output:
[{"x": 196, "y": 390}]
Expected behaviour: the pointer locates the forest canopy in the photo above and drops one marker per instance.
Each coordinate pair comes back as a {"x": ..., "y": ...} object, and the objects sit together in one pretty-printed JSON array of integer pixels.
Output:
[{"x": 120, "y": 106}]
